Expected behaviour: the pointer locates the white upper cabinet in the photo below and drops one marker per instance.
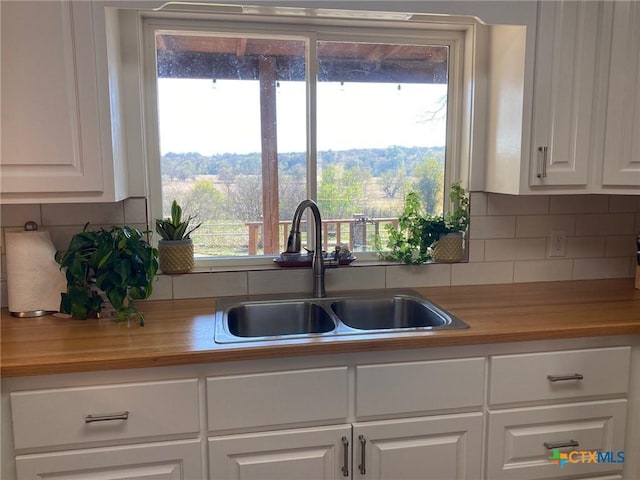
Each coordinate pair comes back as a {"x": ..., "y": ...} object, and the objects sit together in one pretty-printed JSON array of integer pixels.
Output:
[
  {"x": 56, "y": 115},
  {"x": 622, "y": 132},
  {"x": 583, "y": 131},
  {"x": 563, "y": 100}
]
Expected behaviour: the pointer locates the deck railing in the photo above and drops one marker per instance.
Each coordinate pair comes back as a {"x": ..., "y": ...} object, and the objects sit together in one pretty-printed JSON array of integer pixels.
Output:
[{"x": 353, "y": 232}]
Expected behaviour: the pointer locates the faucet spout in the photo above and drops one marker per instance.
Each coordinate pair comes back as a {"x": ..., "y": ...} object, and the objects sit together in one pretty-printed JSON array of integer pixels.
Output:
[{"x": 293, "y": 244}]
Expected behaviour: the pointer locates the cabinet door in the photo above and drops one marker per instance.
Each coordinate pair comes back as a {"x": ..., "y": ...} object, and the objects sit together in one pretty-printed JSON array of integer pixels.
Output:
[
  {"x": 51, "y": 105},
  {"x": 565, "y": 72},
  {"x": 152, "y": 461},
  {"x": 622, "y": 139},
  {"x": 526, "y": 443},
  {"x": 307, "y": 453},
  {"x": 446, "y": 447}
]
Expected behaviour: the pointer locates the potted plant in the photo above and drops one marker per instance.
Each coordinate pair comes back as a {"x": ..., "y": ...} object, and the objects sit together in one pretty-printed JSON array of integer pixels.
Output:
[
  {"x": 421, "y": 237},
  {"x": 118, "y": 262},
  {"x": 176, "y": 245}
]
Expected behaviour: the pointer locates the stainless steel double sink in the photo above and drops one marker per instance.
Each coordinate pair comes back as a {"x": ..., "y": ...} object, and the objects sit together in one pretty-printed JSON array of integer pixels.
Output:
[{"x": 367, "y": 312}]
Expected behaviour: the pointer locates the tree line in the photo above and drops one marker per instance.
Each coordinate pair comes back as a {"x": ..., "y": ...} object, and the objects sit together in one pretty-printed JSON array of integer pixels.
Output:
[{"x": 376, "y": 161}]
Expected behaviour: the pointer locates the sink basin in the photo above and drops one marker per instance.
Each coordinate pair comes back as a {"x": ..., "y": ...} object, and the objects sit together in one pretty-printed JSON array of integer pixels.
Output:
[
  {"x": 367, "y": 312},
  {"x": 269, "y": 319},
  {"x": 398, "y": 311}
]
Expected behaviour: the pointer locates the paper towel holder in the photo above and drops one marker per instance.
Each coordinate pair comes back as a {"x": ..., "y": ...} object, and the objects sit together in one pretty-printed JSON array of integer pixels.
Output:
[{"x": 31, "y": 226}]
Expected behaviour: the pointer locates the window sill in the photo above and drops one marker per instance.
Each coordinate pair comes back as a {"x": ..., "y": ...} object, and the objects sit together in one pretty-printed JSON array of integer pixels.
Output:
[{"x": 264, "y": 267}]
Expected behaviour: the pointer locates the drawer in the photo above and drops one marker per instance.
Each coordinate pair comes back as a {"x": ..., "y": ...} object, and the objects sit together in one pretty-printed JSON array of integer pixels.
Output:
[
  {"x": 419, "y": 386},
  {"x": 559, "y": 375},
  {"x": 517, "y": 440},
  {"x": 277, "y": 398},
  {"x": 65, "y": 416}
]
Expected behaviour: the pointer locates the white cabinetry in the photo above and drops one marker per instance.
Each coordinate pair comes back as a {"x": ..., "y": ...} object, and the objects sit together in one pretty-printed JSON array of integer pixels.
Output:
[
  {"x": 437, "y": 446},
  {"x": 622, "y": 132},
  {"x": 321, "y": 453},
  {"x": 523, "y": 438},
  {"x": 565, "y": 71},
  {"x": 64, "y": 422},
  {"x": 491, "y": 412},
  {"x": 56, "y": 113},
  {"x": 430, "y": 448},
  {"x": 585, "y": 110}
]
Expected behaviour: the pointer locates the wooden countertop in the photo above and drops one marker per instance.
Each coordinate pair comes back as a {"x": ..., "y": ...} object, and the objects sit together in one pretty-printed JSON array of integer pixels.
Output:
[{"x": 179, "y": 332}]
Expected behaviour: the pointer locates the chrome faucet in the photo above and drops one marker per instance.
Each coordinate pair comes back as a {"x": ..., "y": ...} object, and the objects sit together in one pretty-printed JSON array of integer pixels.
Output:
[{"x": 293, "y": 244}]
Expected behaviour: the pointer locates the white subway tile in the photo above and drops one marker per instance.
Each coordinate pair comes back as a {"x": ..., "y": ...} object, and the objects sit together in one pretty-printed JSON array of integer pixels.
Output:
[
  {"x": 542, "y": 225},
  {"x": 481, "y": 273},
  {"x": 61, "y": 236},
  {"x": 211, "y": 284},
  {"x": 162, "y": 288},
  {"x": 18, "y": 215},
  {"x": 81, "y": 213},
  {"x": 515, "y": 249},
  {"x": 518, "y": 205},
  {"x": 492, "y": 227},
  {"x": 543, "y": 270},
  {"x": 476, "y": 250},
  {"x": 624, "y": 203},
  {"x": 585, "y": 247},
  {"x": 478, "y": 203},
  {"x": 620, "y": 245},
  {"x": 605, "y": 224},
  {"x": 354, "y": 278},
  {"x": 135, "y": 211},
  {"x": 410, "y": 276},
  {"x": 293, "y": 280},
  {"x": 562, "y": 204},
  {"x": 4, "y": 301},
  {"x": 591, "y": 268}
]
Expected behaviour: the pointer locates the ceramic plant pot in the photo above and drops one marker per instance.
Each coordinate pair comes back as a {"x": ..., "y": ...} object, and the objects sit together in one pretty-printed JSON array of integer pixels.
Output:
[
  {"x": 175, "y": 256},
  {"x": 449, "y": 248}
]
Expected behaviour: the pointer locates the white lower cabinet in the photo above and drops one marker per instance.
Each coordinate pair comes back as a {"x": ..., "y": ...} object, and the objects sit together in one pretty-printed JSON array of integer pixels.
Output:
[
  {"x": 498, "y": 412},
  {"x": 586, "y": 438},
  {"x": 178, "y": 460},
  {"x": 137, "y": 430},
  {"x": 321, "y": 453},
  {"x": 428, "y": 448},
  {"x": 554, "y": 439}
]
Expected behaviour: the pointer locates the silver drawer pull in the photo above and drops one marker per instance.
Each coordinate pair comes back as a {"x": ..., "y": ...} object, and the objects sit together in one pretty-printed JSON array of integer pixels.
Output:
[
  {"x": 107, "y": 417},
  {"x": 565, "y": 378},
  {"x": 345, "y": 460},
  {"x": 563, "y": 444},
  {"x": 363, "y": 458}
]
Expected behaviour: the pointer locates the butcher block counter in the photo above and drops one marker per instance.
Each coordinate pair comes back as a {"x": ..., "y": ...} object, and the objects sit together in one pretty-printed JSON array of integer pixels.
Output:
[{"x": 181, "y": 332}]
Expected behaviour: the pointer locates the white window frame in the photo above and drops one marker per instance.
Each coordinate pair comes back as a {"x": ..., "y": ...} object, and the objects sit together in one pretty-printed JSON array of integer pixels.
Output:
[{"x": 426, "y": 31}]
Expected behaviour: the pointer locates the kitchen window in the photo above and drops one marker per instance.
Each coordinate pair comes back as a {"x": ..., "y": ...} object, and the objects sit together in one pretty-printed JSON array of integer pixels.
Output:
[{"x": 251, "y": 116}]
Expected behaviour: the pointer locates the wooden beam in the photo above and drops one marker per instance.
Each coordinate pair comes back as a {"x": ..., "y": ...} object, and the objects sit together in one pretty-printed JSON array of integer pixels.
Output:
[{"x": 268, "y": 120}]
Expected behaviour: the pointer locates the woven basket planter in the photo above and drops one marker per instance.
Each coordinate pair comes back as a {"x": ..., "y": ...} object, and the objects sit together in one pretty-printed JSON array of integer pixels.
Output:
[
  {"x": 175, "y": 256},
  {"x": 449, "y": 248}
]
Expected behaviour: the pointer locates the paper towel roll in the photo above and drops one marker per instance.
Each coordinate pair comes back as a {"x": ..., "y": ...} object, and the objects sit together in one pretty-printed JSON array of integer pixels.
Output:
[{"x": 34, "y": 279}]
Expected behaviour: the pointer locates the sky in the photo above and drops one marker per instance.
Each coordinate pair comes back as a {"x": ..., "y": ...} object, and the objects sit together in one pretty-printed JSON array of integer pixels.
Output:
[{"x": 209, "y": 118}]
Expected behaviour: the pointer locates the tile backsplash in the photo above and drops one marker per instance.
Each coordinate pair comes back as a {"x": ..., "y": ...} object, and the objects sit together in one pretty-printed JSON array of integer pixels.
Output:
[{"x": 509, "y": 241}]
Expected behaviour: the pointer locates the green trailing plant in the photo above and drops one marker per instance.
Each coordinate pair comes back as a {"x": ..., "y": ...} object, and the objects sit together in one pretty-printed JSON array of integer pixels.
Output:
[
  {"x": 119, "y": 262},
  {"x": 412, "y": 241},
  {"x": 175, "y": 228}
]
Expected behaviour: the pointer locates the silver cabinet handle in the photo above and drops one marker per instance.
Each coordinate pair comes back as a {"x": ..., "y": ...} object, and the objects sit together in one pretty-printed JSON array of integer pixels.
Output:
[
  {"x": 363, "y": 444},
  {"x": 345, "y": 462},
  {"x": 107, "y": 417},
  {"x": 564, "y": 378},
  {"x": 545, "y": 151},
  {"x": 563, "y": 444}
]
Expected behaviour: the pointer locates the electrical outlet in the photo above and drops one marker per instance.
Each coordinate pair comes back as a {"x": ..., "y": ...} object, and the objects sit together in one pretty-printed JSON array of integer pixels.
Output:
[{"x": 558, "y": 243}]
